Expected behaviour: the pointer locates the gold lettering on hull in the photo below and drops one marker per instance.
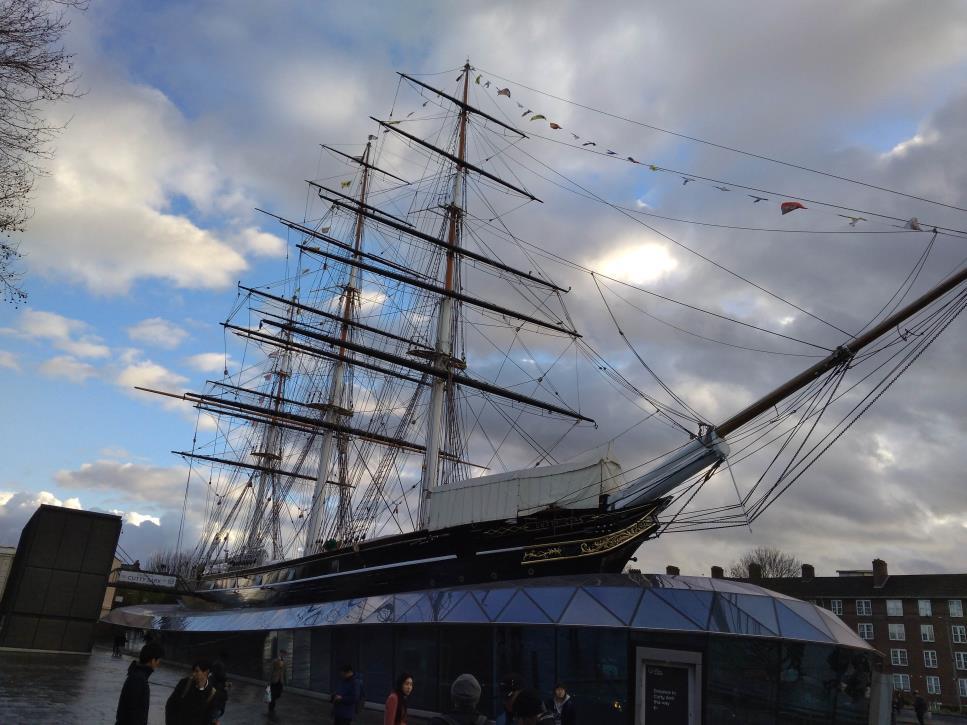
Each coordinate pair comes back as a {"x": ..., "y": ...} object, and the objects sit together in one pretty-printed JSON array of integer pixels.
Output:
[{"x": 590, "y": 547}]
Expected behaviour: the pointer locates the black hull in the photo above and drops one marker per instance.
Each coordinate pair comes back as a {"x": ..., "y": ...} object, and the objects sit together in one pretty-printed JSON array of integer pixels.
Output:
[{"x": 553, "y": 543}]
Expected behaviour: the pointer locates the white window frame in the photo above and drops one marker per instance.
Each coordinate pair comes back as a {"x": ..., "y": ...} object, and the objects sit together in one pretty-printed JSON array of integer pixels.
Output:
[
  {"x": 898, "y": 658},
  {"x": 863, "y": 627},
  {"x": 930, "y": 658},
  {"x": 926, "y": 633},
  {"x": 955, "y": 607},
  {"x": 962, "y": 686},
  {"x": 960, "y": 660},
  {"x": 903, "y": 679},
  {"x": 894, "y": 607},
  {"x": 958, "y": 633},
  {"x": 896, "y": 632},
  {"x": 933, "y": 685},
  {"x": 836, "y": 606},
  {"x": 864, "y": 608},
  {"x": 924, "y": 608}
]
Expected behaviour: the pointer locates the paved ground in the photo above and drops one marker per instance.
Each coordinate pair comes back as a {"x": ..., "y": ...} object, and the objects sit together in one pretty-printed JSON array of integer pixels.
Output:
[{"x": 44, "y": 688}]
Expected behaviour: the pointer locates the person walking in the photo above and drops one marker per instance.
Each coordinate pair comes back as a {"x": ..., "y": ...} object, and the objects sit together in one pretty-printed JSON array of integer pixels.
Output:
[
  {"x": 193, "y": 701},
  {"x": 219, "y": 680},
  {"x": 561, "y": 706},
  {"x": 277, "y": 678},
  {"x": 347, "y": 697},
  {"x": 395, "y": 712},
  {"x": 135, "y": 695},
  {"x": 118, "y": 644},
  {"x": 919, "y": 706},
  {"x": 464, "y": 697}
]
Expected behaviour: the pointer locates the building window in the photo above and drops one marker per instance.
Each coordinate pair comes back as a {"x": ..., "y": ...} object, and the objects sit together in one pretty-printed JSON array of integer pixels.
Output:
[
  {"x": 897, "y": 633},
  {"x": 959, "y": 633},
  {"x": 955, "y": 607},
  {"x": 898, "y": 657},
  {"x": 836, "y": 606},
  {"x": 930, "y": 658},
  {"x": 962, "y": 686},
  {"x": 863, "y": 608},
  {"x": 925, "y": 609},
  {"x": 933, "y": 685},
  {"x": 961, "y": 659},
  {"x": 926, "y": 632},
  {"x": 901, "y": 682},
  {"x": 894, "y": 607},
  {"x": 865, "y": 630}
]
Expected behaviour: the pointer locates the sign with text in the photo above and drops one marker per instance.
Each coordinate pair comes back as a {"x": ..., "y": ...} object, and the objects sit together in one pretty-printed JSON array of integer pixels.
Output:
[
  {"x": 666, "y": 695},
  {"x": 146, "y": 577}
]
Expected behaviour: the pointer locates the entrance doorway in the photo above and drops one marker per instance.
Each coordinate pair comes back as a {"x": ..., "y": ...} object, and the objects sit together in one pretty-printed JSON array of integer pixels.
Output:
[{"x": 669, "y": 687}]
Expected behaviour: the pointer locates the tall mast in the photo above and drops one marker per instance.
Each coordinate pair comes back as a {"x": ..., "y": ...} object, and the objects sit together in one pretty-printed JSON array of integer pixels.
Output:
[
  {"x": 441, "y": 388},
  {"x": 332, "y": 410}
]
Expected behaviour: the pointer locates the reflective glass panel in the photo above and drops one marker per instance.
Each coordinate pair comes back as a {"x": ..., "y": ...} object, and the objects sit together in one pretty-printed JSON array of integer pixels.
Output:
[
  {"x": 466, "y": 610},
  {"x": 375, "y": 665},
  {"x": 416, "y": 653},
  {"x": 759, "y": 608},
  {"x": 592, "y": 665},
  {"x": 693, "y": 604},
  {"x": 522, "y": 608},
  {"x": 726, "y": 617},
  {"x": 811, "y": 614},
  {"x": 795, "y": 627},
  {"x": 805, "y": 694},
  {"x": 552, "y": 600},
  {"x": 621, "y": 601},
  {"x": 742, "y": 681},
  {"x": 655, "y": 613},
  {"x": 464, "y": 649},
  {"x": 494, "y": 600},
  {"x": 585, "y": 610},
  {"x": 527, "y": 651}
]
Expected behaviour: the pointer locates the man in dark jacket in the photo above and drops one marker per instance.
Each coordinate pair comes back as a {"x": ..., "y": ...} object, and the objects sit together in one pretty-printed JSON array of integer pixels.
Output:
[
  {"x": 346, "y": 697},
  {"x": 193, "y": 701},
  {"x": 561, "y": 706},
  {"x": 464, "y": 694},
  {"x": 919, "y": 706},
  {"x": 136, "y": 694},
  {"x": 529, "y": 709}
]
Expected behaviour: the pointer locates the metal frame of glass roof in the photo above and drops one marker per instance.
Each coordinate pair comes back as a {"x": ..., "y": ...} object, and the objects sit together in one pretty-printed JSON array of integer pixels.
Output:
[{"x": 635, "y": 601}]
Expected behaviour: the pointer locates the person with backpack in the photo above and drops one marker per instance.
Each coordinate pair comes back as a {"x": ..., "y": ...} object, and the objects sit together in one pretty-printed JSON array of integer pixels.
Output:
[
  {"x": 395, "y": 712},
  {"x": 464, "y": 696},
  {"x": 509, "y": 686},
  {"x": 277, "y": 679},
  {"x": 348, "y": 698},
  {"x": 219, "y": 679},
  {"x": 136, "y": 694},
  {"x": 529, "y": 709},
  {"x": 193, "y": 701}
]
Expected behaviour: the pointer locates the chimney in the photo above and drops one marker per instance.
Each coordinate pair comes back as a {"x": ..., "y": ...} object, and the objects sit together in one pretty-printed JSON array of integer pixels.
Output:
[
  {"x": 755, "y": 571},
  {"x": 717, "y": 572},
  {"x": 808, "y": 572},
  {"x": 880, "y": 574},
  {"x": 671, "y": 570}
]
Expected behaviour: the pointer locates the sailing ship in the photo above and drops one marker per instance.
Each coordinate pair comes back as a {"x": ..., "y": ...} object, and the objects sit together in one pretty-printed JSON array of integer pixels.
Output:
[{"x": 360, "y": 405}]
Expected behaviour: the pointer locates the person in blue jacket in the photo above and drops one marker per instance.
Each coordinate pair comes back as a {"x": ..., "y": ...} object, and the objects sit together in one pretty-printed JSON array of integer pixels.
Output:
[{"x": 347, "y": 697}]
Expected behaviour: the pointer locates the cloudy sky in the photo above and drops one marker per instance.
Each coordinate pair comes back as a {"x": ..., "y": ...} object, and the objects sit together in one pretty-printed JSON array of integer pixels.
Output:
[{"x": 194, "y": 115}]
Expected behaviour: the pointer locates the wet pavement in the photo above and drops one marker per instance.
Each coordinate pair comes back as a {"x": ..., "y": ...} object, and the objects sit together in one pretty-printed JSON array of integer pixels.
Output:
[{"x": 53, "y": 688}]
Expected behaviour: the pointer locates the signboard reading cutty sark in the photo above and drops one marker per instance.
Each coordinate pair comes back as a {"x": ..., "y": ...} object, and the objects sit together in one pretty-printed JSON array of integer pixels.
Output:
[
  {"x": 146, "y": 577},
  {"x": 666, "y": 695}
]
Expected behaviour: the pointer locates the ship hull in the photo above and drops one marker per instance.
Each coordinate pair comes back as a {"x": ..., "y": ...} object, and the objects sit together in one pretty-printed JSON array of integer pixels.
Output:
[{"x": 553, "y": 543}]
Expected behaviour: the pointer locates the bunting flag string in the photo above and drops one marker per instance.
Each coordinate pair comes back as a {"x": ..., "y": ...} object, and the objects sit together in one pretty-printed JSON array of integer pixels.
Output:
[{"x": 785, "y": 206}]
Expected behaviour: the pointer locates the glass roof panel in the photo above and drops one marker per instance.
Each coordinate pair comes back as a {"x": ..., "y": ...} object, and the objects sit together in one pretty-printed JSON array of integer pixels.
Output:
[
  {"x": 761, "y": 609},
  {"x": 522, "y": 609},
  {"x": 584, "y": 609},
  {"x": 421, "y": 611},
  {"x": 465, "y": 610},
  {"x": 383, "y": 614},
  {"x": 493, "y": 600},
  {"x": 727, "y": 617},
  {"x": 655, "y": 613},
  {"x": 552, "y": 600},
  {"x": 620, "y": 601},
  {"x": 795, "y": 627},
  {"x": 810, "y": 613},
  {"x": 839, "y": 629},
  {"x": 693, "y": 604}
]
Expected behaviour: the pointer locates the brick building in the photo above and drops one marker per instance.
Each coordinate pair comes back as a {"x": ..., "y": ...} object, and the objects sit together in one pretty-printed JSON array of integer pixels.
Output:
[{"x": 916, "y": 620}]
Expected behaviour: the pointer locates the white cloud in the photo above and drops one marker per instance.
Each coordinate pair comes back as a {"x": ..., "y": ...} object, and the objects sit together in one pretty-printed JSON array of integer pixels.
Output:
[
  {"x": 158, "y": 332},
  {"x": 9, "y": 360},
  {"x": 70, "y": 335},
  {"x": 68, "y": 367},
  {"x": 209, "y": 362},
  {"x": 261, "y": 243},
  {"x": 127, "y": 481},
  {"x": 133, "y": 517}
]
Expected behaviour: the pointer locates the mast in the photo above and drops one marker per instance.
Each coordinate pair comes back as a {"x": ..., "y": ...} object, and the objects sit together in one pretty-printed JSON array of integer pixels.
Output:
[
  {"x": 441, "y": 389},
  {"x": 332, "y": 412}
]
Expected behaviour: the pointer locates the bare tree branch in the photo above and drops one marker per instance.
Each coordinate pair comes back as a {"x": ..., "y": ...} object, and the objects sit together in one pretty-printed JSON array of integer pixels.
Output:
[
  {"x": 35, "y": 70},
  {"x": 775, "y": 563}
]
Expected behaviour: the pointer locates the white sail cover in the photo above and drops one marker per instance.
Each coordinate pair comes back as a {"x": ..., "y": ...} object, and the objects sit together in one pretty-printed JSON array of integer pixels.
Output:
[{"x": 576, "y": 484}]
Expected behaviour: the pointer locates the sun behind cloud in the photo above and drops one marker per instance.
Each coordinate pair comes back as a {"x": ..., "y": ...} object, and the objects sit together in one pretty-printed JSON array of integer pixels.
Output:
[{"x": 637, "y": 262}]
